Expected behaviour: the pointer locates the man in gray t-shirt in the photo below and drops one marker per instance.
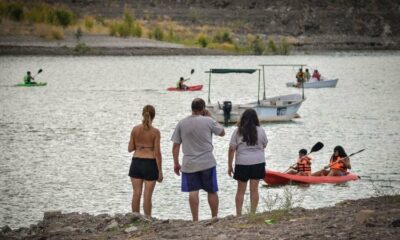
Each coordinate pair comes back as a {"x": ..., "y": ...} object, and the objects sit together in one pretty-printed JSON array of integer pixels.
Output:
[{"x": 198, "y": 168}]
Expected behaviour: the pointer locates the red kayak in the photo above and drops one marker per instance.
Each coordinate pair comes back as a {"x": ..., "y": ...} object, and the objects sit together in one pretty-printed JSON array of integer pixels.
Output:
[
  {"x": 277, "y": 178},
  {"x": 190, "y": 88}
]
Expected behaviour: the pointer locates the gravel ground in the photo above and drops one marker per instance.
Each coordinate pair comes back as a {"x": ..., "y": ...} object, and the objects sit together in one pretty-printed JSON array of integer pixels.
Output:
[{"x": 373, "y": 218}]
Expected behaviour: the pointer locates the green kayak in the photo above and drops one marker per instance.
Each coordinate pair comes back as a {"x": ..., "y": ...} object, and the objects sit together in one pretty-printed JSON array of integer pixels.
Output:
[{"x": 38, "y": 84}]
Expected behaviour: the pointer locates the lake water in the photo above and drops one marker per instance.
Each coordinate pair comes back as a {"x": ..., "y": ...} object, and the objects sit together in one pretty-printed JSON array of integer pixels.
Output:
[{"x": 64, "y": 146}]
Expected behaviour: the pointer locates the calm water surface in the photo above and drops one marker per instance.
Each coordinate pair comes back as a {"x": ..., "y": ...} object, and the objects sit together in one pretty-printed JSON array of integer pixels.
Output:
[{"x": 64, "y": 146}]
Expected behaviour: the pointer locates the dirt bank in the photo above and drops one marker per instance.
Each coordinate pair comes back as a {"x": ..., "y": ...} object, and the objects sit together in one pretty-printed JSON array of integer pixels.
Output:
[
  {"x": 373, "y": 218},
  {"x": 96, "y": 45}
]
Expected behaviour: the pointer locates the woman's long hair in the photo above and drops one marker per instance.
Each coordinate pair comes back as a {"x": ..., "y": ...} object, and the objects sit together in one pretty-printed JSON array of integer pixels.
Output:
[
  {"x": 341, "y": 151},
  {"x": 247, "y": 127},
  {"x": 148, "y": 114}
]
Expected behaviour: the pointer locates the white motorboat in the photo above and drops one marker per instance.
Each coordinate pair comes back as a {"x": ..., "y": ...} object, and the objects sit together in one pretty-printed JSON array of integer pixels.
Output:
[
  {"x": 328, "y": 83},
  {"x": 273, "y": 109}
]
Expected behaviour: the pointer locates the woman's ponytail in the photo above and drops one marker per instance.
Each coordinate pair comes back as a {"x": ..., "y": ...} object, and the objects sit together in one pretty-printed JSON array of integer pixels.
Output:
[{"x": 148, "y": 114}]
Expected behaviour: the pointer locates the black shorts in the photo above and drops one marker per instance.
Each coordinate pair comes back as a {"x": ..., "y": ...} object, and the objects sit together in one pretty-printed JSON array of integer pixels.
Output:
[
  {"x": 245, "y": 172},
  {"x": 144, "y": 168}
]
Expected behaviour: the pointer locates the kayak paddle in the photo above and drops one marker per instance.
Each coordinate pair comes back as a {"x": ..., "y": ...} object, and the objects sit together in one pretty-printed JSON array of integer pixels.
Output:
[
  {"x": 40, "y": 70},
  {"x": 318, "y": 146},
  {"x": 191, "y": 72},
  {"x": 346, "y": 157}
]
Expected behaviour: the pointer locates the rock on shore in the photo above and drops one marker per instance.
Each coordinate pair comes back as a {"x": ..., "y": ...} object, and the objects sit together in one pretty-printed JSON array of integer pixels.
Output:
[{"x": 373, "y": 218}]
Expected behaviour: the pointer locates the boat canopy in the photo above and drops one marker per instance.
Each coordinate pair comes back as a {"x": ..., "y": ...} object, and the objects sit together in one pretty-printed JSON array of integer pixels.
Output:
[{"x": 231, "y": 70}]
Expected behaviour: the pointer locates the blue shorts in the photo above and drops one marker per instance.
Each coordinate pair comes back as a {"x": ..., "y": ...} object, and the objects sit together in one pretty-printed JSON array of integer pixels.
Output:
[{"x": 205, "y": 179}]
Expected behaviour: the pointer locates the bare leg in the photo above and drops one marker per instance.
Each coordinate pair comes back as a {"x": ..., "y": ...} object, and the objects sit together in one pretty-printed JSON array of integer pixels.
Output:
[
  {"x": 320, "y": 173},
  {"x": 213, "y": 201},
  {"x": 147, "y": 195},
  {"x": 254, "y": 197},
  {"x": 240, "y": 196},
  {"x": 137, "y": 185},
  {"x": 334, "y": 172},
  {"x": 194, "y": 205},
  {"x": 292, "y": 171}
]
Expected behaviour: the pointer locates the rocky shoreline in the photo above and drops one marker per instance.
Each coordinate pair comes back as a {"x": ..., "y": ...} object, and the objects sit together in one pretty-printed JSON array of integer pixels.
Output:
[{"x": 372, "y": 218}]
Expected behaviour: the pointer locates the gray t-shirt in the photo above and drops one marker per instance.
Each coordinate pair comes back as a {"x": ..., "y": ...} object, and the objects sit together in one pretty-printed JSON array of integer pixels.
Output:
[
  {"x": 195, "y": 134},
  {"x": 249, "y": 155}
]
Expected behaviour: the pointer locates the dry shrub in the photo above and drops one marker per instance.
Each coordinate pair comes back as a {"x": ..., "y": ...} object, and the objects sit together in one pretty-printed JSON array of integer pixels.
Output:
[
  {"x": 50, "y": 32},
  {"x": 89, "y": 22}
]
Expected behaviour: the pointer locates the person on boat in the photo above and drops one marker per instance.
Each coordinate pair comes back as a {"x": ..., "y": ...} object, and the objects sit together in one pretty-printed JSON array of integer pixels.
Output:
[
  {"x": 199, "y": 166},
  {"x": 316, "y": 75},
  {"x": 146, "y": 165},
  {"x": 338, "y": 164},
  {"x": 247, "y": 145},
  {"x": 303, "y": 165},
  {"x": 28, "y": 78},
  {"x": 307, "y": 75},
  {"x": 180, "y": 85},
  {"x": 300, "y": 77}
]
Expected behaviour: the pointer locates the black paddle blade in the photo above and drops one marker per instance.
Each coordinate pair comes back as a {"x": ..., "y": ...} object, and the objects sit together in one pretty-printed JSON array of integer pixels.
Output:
[
  {"x": 40, "y": 70},
  {"x": 191, "y": 72},
  {"x": 318, "y": 146}
]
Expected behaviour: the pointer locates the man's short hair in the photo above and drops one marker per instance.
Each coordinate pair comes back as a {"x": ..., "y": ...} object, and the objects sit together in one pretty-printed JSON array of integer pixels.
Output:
[{"x": 198, "y": 104}]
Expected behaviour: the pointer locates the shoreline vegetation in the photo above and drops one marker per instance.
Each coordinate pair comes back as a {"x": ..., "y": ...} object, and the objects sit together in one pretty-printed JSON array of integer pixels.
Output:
[
  {"x": 371, "y": 218},
  {"x": 40, "y": 28},
  {"x": 58, "y": 23}
]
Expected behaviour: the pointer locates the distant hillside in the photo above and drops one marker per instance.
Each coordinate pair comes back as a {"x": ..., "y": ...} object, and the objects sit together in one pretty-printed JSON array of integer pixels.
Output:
[{"x": 314, "y": 24}]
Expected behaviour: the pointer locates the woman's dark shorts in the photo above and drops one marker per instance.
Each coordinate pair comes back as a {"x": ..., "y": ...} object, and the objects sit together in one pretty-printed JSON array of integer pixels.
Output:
[
  {"x": 245, "y": 172},
  {"x": 144, "y": 168}
]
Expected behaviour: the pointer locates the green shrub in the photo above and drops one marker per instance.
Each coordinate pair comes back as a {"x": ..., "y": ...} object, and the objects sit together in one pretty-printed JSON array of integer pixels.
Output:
[
  {"x": 202, "y": 40},
  {"x": 257, "y": 46},
  {"x": 137, "y": 30},
  {"x": 222, "y": 37},
  {"x": 15, "y": 11},
  {"x": 100, "y": 20},
  {"x": 89, "y": 22},
  {"x": 2, "y": 8},
  {"x": 113, "y": 28},
  {"x": 64, "y": 17},
  {"x": 78, "y": 33},
  {"x": 271, "y": 47},
  {"x": 158, "y": 34},
  {"x": 81, "y": 48},
  {"x": 41, "y": 13},
  {"x": 128, "y": 18},
  {"x": 285, "y": 47},
  {"x": 123, "y": 29}
]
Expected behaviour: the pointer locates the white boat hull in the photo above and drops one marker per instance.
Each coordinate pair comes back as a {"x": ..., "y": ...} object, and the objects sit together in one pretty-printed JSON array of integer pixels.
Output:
[
  {"x": 331, "y": 83},
  {"x": 275, "y": 109}
]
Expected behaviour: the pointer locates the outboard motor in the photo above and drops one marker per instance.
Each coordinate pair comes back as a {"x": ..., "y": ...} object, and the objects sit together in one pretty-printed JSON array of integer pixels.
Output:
[{"x": 227, "y": 107}]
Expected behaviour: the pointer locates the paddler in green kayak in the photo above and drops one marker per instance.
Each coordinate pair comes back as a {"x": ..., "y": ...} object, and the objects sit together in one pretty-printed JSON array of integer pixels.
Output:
[{"x": 28, "y": 78}]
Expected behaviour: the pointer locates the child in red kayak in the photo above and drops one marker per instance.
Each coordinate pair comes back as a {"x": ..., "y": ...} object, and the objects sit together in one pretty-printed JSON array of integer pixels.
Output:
[
  {"x": 303, "y": 165},
  {"x": 338, "y": 164}
]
